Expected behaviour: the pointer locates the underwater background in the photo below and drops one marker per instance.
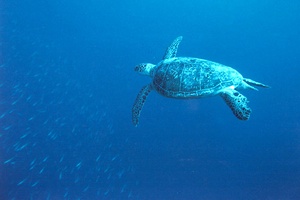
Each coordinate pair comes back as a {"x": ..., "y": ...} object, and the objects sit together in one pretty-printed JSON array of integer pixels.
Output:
[{"x": 67, "y": 87}]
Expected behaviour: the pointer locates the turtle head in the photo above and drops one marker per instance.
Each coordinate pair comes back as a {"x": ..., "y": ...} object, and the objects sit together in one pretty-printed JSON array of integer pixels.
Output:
[{"x": 145, "y": 69}]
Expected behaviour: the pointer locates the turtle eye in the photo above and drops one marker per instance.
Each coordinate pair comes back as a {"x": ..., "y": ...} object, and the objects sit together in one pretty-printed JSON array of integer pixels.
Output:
[{"x": 138, "y": 68}]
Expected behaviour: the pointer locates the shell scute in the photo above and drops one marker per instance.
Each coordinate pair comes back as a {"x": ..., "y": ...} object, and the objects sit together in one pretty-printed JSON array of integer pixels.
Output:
[{"x": 190, "y": 77}]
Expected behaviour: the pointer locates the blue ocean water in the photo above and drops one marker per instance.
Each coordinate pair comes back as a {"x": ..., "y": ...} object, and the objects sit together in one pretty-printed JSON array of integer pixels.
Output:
[{"x": 67, "y": 87}]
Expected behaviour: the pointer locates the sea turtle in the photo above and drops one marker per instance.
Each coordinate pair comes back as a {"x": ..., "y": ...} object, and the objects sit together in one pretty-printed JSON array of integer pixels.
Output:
[{"x": 186, "y": 78}]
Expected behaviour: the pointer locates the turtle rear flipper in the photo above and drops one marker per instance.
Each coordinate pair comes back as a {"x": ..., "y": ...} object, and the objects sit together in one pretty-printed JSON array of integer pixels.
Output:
[
  {"x": 139, "y": 103},
  {"x": 255, "y": 83},
  {"x": 237, "y": 102}
]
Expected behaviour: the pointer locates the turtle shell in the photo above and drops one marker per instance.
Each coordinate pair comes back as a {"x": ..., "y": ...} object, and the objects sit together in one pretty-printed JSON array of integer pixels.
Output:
[{"x": 182, "y": 77}]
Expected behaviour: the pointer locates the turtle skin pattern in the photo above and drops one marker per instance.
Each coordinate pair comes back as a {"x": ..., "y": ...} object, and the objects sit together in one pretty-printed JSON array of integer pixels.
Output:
[
  {"x": 238, "y": 104},
  {"x": 139, "y": 103}
]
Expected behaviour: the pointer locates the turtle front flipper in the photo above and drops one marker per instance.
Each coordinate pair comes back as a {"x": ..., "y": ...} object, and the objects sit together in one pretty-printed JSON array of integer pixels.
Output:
[
  {"x": 237, "y": 102},
  {"x": 139, "y": 103},
  {"x": 172, "y": 49}
]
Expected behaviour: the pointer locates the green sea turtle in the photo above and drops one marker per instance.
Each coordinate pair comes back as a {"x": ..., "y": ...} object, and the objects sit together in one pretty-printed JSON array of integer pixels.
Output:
[{"x": 186, "y": 78}]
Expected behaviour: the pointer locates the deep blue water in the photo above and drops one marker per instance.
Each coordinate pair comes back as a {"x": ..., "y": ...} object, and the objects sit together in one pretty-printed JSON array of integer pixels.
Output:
[{"x": 67, "y": 87}]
